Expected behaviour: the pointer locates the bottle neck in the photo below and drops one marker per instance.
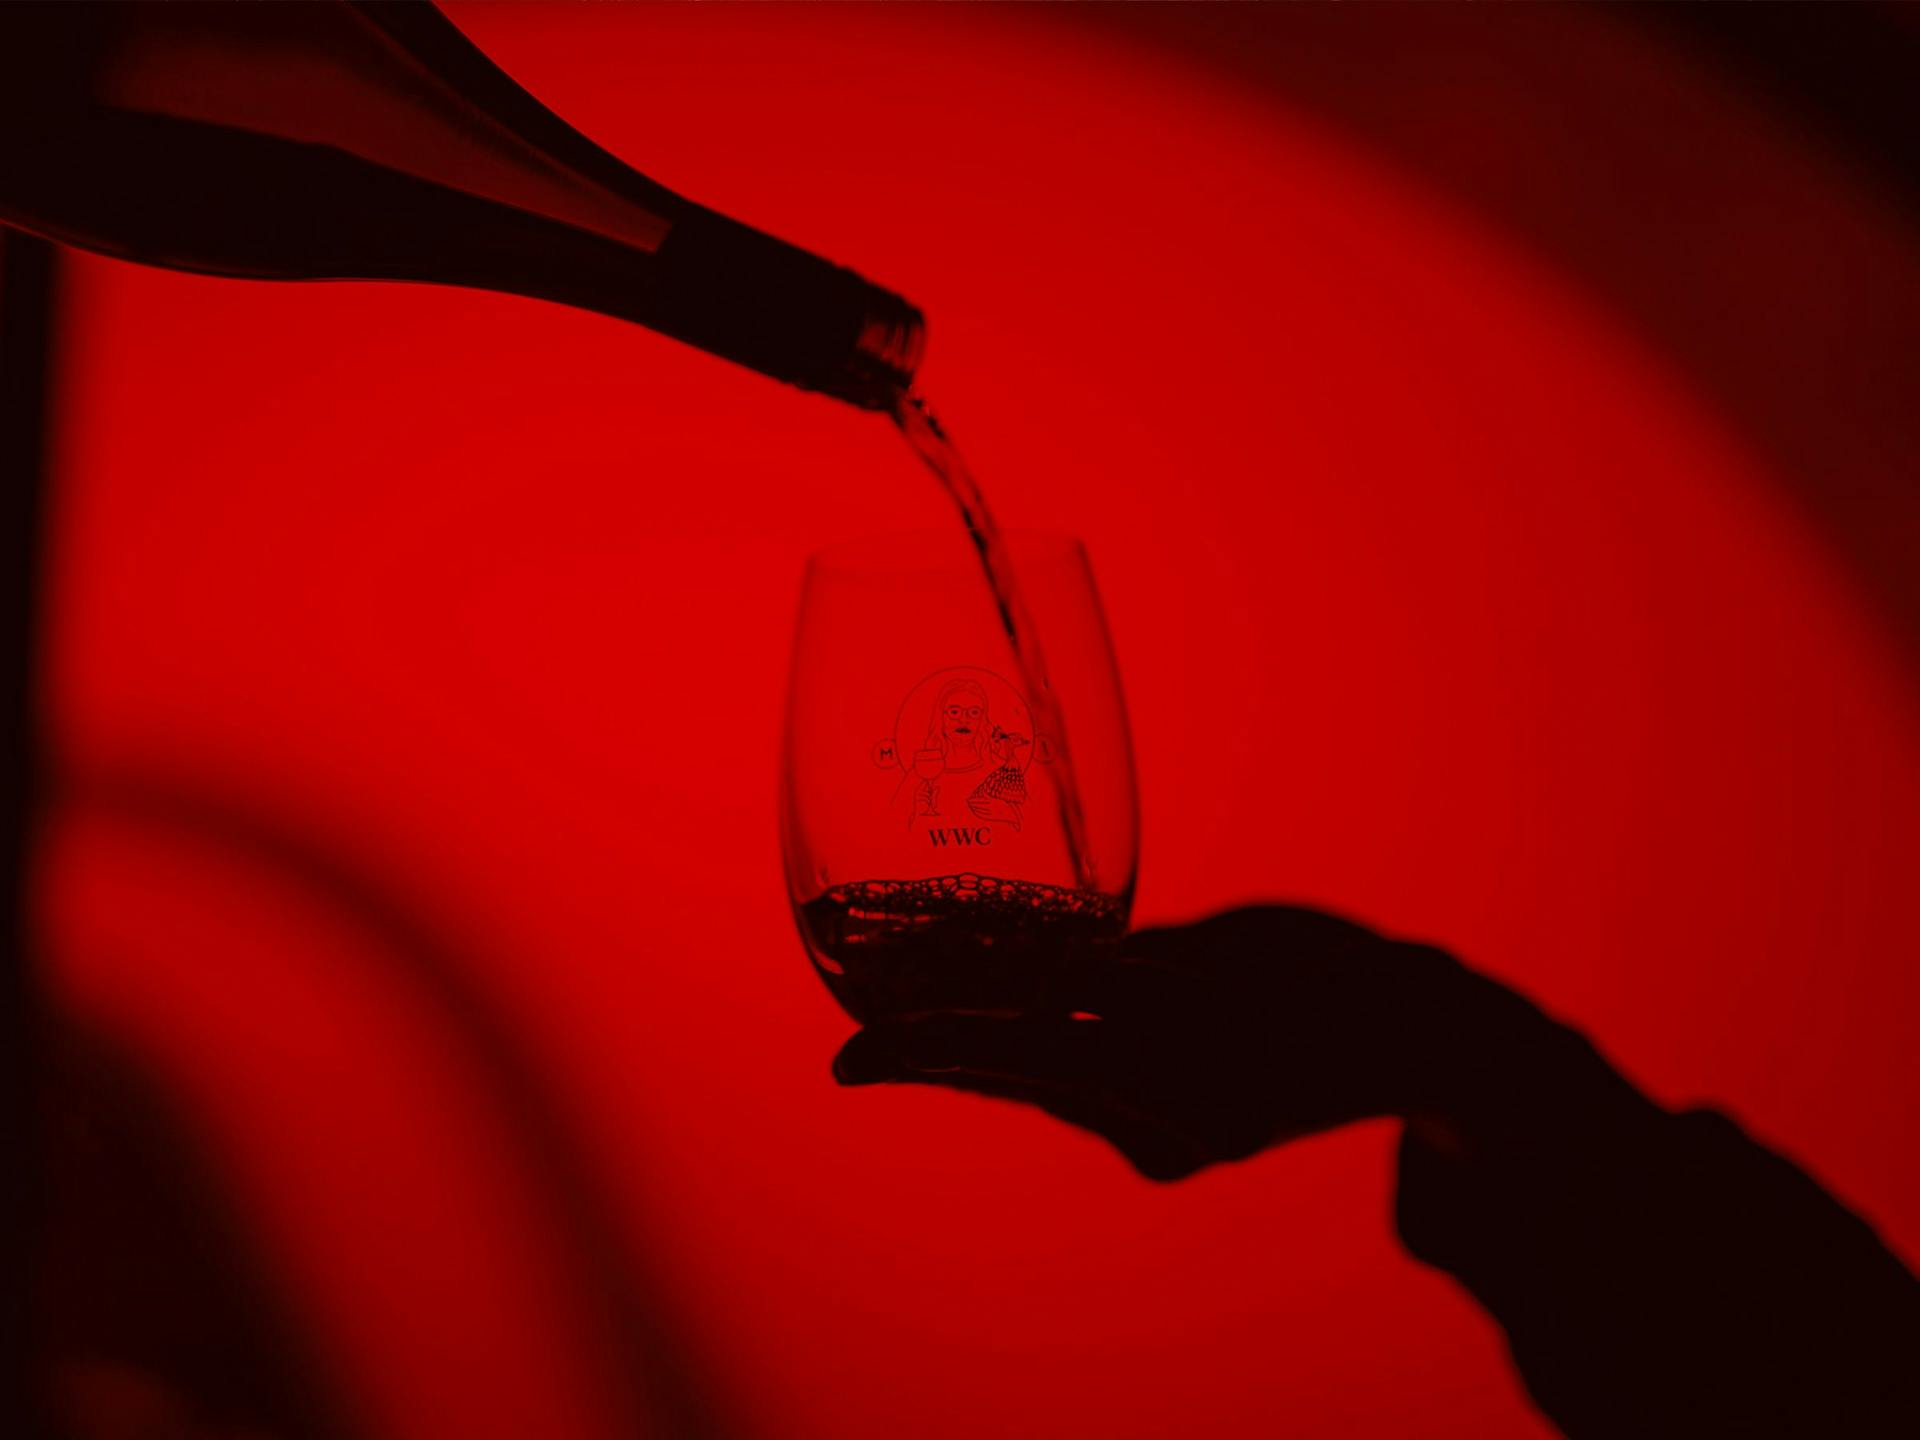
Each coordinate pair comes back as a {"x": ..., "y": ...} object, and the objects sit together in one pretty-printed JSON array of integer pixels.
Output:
[
  {"x": 373, "y": 141},
  {"x": 887, "y": 353},
  {"x": 756, "y": 300}
]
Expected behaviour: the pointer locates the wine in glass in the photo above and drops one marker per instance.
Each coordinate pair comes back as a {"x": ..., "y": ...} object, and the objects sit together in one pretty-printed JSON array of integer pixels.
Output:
[{"x": 959, "y": 833}]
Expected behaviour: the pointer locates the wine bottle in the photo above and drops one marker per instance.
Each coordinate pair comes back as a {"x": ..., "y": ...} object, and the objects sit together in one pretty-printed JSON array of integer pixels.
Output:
[{"x": 343, "y": 139}]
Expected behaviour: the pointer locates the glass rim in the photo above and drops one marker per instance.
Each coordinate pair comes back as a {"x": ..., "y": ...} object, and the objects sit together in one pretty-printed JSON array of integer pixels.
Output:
[{"x": 925, "y": 548}]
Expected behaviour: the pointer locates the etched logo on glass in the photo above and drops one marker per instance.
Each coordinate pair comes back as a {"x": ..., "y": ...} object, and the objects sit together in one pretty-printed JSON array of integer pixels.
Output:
[{"x": 963, "y": 743}]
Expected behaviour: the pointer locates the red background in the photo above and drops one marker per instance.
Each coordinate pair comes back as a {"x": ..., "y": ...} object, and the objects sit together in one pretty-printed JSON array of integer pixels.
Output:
[{"x": 1486, "y": 429}]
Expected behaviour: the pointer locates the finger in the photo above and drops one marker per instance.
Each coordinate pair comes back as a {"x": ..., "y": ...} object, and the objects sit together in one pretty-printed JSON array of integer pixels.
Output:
[
  {"x": 1052, "y": 1052},
  {"x": 866, "y": 1060},
  {"x": 1057, "y": 1053},
  {"x": 1076, "y": 1070},
  {"x": 1109, "y": 984},
  {"x": 1156, "y": 1151}
]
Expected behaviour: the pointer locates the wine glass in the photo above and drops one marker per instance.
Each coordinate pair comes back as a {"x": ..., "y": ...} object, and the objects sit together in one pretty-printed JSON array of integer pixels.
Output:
[{"x": 959, "y": 830}]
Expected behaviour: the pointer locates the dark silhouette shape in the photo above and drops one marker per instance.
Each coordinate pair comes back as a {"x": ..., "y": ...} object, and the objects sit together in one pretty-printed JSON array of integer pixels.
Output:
[
  {"x": 374, "y": 141},
  {"x": 154, "y": 1315},
  {"x": 1657, "y": 1274},
  {"x": 659, "y": 1382},
  {"x": 28, "y": 278}
]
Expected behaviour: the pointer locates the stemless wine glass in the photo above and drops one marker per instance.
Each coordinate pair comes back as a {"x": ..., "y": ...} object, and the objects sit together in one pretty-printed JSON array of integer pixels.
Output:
[{"x": 959, "y": 831}]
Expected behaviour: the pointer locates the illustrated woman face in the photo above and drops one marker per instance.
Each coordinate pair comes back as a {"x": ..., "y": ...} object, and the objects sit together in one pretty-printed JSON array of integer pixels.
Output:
[{"x": 961, "y": 714}]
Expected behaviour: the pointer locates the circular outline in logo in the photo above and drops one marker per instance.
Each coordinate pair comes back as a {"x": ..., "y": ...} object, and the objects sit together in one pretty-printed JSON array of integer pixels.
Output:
[
  {"x": 1016, "y": 717},
  {"x": 1005, "y": 756}
]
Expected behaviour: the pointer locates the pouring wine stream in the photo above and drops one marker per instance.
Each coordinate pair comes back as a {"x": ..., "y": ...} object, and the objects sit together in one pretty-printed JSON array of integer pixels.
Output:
[{"x": 929, "y": 441}]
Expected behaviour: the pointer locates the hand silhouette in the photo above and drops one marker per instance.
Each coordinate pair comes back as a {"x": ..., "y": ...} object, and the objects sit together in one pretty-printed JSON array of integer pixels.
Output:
[
  {"x": 1658, "y": 1275},
  {"x": 1216, "y": 1040}
]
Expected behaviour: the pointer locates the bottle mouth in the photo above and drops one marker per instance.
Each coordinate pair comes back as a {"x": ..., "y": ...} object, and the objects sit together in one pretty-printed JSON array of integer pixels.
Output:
[{"x": 886, "y": 352}]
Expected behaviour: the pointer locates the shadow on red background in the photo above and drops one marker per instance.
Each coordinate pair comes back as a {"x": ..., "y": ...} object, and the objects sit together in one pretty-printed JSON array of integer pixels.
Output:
[{"x": 1488, "y": 432}]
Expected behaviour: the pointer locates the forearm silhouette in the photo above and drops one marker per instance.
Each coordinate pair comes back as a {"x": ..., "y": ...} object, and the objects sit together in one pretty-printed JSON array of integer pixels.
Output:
[{"x": 1657, "y": 1274}]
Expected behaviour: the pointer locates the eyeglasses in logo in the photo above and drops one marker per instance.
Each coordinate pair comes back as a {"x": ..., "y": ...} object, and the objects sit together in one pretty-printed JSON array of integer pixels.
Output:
[{"x": 963, "y": 743}]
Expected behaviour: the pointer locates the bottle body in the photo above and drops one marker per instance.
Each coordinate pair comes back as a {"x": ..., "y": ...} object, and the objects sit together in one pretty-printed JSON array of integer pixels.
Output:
[{"x": 373, "y": 141}]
